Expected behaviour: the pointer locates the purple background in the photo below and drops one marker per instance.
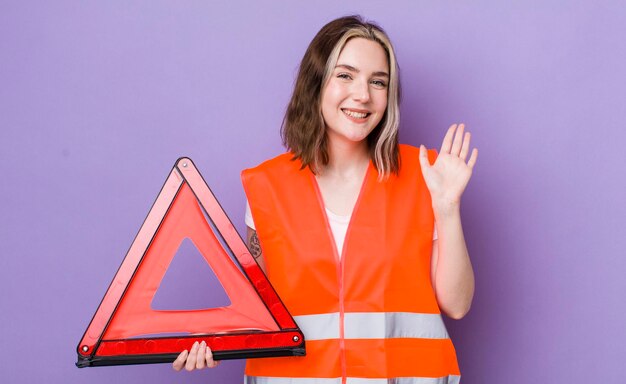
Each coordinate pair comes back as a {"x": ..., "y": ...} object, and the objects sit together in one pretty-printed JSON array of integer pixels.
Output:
[{"x": 98, "y": 99}]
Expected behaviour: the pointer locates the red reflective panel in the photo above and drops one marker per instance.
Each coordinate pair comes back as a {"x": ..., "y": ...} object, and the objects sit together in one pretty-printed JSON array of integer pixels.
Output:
[{"x": 127, "y": 329}]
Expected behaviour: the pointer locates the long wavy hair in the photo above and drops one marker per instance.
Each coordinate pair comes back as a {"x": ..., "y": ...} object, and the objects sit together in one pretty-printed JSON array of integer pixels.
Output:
[{"x": 303, "y": 130}]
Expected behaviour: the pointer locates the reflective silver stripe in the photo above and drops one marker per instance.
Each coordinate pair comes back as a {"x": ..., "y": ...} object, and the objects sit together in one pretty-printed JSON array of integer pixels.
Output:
[
  {"x": 289, "y": 380},
  {"x": 373, "y": 325},
  {"x": 452, "y": 379},
  {"x": 381, "y": 325},
  {"x": 319, "y": 327}
]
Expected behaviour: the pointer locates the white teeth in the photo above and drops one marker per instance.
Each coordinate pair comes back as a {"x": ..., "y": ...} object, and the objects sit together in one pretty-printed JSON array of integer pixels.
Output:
[{"x": 356, "y": 115}]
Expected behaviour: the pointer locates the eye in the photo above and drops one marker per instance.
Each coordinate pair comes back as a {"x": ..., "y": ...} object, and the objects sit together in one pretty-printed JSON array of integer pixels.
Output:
[
  {"x": 379, "y": 83},
  {"x": 344, "y": 76}
]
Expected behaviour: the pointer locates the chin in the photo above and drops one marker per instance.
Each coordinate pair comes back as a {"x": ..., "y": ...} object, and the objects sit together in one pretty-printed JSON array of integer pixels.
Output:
[{"x": 356, "y": 138}]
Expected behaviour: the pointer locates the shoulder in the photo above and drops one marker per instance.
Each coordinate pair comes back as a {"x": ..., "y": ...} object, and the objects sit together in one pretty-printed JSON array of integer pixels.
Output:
[
  {"x": 409, "y": 156},
  {"x": 274, "y": 167},
  {"x": 274, "y": 162},
  {"x": 410, "y": 151}
]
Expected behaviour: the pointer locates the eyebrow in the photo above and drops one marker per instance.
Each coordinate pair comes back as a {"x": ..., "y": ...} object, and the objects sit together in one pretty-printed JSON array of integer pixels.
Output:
[{"x": 351, "y": 68}]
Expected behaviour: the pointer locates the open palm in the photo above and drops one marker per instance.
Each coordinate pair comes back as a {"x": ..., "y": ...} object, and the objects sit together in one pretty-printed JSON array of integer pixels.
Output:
[{"x": 447, "y": 178}]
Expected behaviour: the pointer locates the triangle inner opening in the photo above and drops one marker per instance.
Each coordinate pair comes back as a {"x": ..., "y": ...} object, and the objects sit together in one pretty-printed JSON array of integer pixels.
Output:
[{"x": 189, "y": 283}]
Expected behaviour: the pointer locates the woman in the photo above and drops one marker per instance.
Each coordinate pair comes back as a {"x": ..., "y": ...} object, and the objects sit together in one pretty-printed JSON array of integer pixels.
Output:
[{"x": 346, "y": 222}]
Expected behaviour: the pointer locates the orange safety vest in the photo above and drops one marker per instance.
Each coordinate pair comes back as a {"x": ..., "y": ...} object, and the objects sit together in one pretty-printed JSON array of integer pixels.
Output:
[{"x": 371, "y": 314}]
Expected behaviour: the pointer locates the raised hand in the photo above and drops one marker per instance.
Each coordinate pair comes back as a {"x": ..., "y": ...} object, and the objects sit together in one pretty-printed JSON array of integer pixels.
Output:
[{"x": 447, "y": 178}]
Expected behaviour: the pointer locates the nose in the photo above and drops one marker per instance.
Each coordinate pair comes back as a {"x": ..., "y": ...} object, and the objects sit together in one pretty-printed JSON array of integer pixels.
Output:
[{"x": 361, "y": 91}]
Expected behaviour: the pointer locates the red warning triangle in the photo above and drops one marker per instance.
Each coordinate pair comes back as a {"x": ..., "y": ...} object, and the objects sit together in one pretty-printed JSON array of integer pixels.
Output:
[{"x": 126, "y": 330}]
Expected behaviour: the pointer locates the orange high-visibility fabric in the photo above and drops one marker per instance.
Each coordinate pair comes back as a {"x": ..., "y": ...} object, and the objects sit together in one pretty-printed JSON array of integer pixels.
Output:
[{"x": 384, "y": 268}]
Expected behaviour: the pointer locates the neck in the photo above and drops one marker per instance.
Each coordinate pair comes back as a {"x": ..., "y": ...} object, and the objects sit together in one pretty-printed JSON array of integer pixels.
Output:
[{"x": 346, "y": 158}]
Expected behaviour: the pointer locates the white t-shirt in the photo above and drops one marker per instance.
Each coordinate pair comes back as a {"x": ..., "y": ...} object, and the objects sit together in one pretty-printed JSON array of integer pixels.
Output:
[{"x": 338, "y": 226}]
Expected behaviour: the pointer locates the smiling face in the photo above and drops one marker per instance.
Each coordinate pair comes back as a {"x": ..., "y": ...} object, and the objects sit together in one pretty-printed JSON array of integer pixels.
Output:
[{"x": 355, "y": 98}]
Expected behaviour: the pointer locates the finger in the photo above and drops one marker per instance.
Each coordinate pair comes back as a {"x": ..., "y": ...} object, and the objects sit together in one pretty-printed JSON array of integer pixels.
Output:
[
  {"x": 191, "y": 359},
  {"x": 209, "y": 359},
  {"x": 201, "y": 360},
  {"x": 423, "y": 157},
  {"x": 458, "y": 139},
  {"x": 179, "y": 363},
  {"x": 465, "y": 147},
  {"x": 447, "y": 139},
  {"x": 473, "y": 158}
]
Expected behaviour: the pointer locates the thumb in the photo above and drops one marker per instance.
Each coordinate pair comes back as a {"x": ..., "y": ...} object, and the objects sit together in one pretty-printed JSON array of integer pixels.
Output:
[{"x": 424, "y": 163}]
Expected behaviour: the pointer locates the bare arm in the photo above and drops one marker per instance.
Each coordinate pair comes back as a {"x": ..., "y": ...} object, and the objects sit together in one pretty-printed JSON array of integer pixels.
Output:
[
  {"x": 451, "y": 270},
  {"x": 255, "y": 247}
]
